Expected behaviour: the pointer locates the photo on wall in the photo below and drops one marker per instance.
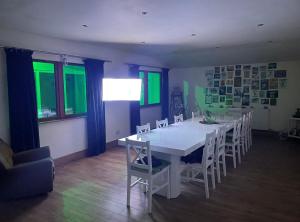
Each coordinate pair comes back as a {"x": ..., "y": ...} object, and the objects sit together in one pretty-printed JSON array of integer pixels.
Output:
[
  {"x": 264, "y": 101},
  {"x": 273, "y": 83},
  {"x": 262, "y": 94},
  {"x": 217, "y": 69},
  {"x": 222, "y": 83},
  {"x": 272, "y": 65},
  {"x": 237, "y": 81},
  {"x": 270, "y": 74},
  {"x": 217, "y": 76},
  {"x": 245, "y": 100},
  {"x": 238, "y": 66},
  {"x": 282, "y": 83},
  {"x": 222, "y": 99},
  {"x": 216, "y": 83},
  {"x": 263, "y": 75},
  {"x": 280, "y": 73},
  {"x": 236, "y": 99},
  {"x": 229, "y": 89},
  {"x": 254, "y": 70},
  {"x": 238, "y": 72},
  {"x": 215, "y": 99},
  {"x": 255, "y": 93},
  {"x": 230, "y": 75},
  {"x": 230, "y": 68},
  {"x": 255, "y": 100},
  {"x": 246, "y": 74},
  {"x": 214, "y": 90},
  {"x": 246, "y": 89},
  {"x": 247, "y": 81},
  {"x": 263, "y": 68},
  {"x": 272, "y": 94},
  {"x": 222, "y": 90},
  {"x": 237, "y": 91},
  {"x": 208, "y": 99},
  {"x": 247, "y": 67},
  {"x": 255, "y": 85},
  {"x": 264, "y": 84},
  {"x": 229, "y": 82},
  {"x": 273, "y": 102},
  {"x": 223, "y": 69},
  {"x": 228, "y": 102}
]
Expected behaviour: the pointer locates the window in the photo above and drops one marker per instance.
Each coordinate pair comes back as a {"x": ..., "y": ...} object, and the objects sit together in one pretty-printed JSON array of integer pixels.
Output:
[
  {"x": 150, "y": 94},
  {"x": 60, "y": 90}
]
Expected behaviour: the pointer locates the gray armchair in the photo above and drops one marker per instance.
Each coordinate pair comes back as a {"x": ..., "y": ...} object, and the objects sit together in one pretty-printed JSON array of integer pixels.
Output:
[{"x": 25, "y": 174}]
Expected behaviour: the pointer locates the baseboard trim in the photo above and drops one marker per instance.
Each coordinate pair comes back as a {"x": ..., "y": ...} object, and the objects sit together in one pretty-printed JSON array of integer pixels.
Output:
[
  {"x": 79, "y": 155},
  {"x": 265, "y": 132}
]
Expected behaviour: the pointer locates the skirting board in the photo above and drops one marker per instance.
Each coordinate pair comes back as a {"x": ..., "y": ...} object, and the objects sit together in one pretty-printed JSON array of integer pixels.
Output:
[{"x": 79, "y": 155}]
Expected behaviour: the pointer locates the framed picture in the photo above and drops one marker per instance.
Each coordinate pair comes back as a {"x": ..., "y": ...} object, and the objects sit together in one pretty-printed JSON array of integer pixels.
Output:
[
  {"x": 228, "y": 97},
  {"x": 272, "y": 65},
  {"x": 215, "y": 99},
  {"x": 236, "y": 99},
  {"x": 255, "y": 93},
  {"x": 246, "y": 89},
  {"x": 229, "y": 89},
  {"x": 214, "y": 90},
  {"x": 272, "y": 94},
  {"x": 273, "y": 102},
  {"x": 217, "y": 70},
  {"x": 237, "y": 81},
  {"x": 217, "y": 76},
  {"x": 255, "y": 76},
  {"x": 222, "y": 99},
  {"x": 280, "y": 73},
  {"x": 245, "y": 100},
  {"x": 230, "y": 75},
  {"x": 216, "y": 83},
  {"x": 238, "y": 67},
  {"x": 222, "y": 82},
  {"x": 228, "y": 103},
  {"x": 238, "y": 72},
  {"x": 237, "y": 91},
  {"x": 222, "y": 90},
  {"x": 263, "y": 75},
  {"x": 254, "y": 70},
  {"x": 230, "y": 68},
  {"x": 223, "y": 75},
  {"x": 208, "y": 99},
  {"x": 255, "y": 100},
  {"x": 246, "y": 73},
  {"x": 262, "y": 94},
  {"x": 210, "y": 83},
  {"x": 247, "y": 67},
  {"x": 270, "y": 74},
  {"x": 247, "y": 81},
  {"x": 223, "y": 69},
  {"x": 273, "y": 83},
  {"x": 263, "y": 68},
  {"x": 264, "y": 84},
  {"x": 255, "y": 85},
  {"x": 264, "y": 101},
  {"x": 282, "y": 83}
]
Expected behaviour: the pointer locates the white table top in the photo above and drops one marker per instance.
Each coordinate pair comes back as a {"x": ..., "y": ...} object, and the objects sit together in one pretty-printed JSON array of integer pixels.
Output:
[{"x": 178, "y": 139}]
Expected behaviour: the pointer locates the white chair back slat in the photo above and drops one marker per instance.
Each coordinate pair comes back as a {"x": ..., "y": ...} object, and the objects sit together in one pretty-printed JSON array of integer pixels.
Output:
[
  {"x": 136, "y": 153},
  {"x": 195, "y": 114},
  {"x": 162, "y": 123},
  {"x": 236, "y": 130},
  {"x": 143, "y": 129},
  {"x": 221, "y": 140},
  {"x": 209, "y": 149},
  {"x": 178, "y": 118}
]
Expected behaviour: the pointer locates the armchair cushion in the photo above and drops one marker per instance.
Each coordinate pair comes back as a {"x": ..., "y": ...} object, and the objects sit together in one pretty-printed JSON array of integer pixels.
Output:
[
  {"x": 6, "y": 155},
  {"x": 31, "y": 155}
]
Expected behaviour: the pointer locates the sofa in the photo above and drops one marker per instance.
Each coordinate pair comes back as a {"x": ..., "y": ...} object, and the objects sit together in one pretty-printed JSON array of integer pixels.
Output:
[{"x": 25, "y": 174}]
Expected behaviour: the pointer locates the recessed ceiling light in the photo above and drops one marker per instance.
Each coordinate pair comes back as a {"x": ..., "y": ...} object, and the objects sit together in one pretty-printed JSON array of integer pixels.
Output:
[
  {"x": 144, "y": 12},
  {"x": 193, "y": 34},
  {"x": 85, "y": 26},
  {"x": 260, "y": 25}
]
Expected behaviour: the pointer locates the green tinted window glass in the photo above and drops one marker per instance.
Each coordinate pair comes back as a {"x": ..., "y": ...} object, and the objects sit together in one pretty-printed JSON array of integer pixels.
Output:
[
  {"x": 153, "y": 88},
  {"x": 74, "y": 89},
  {"x": 44, "y": 74},
  {"x": 142, "y": 100}
]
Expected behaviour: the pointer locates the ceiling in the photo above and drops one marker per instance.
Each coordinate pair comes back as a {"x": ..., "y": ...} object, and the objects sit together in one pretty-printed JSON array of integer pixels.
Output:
[{"x": 225, "y": 31}]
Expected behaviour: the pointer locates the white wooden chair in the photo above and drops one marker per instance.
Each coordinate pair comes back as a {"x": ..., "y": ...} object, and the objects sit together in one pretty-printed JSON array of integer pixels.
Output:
[
  {"x": 250, "y": 121},
  {"x": 220, "y": 152},
  {"x": 244, "y": 134},
  {"x": 143, "y": 129},
  {"x": 195, "y": 114},
  {"x": 232, "y": 144},
  {"x": 178, "y": 118},
  {"x": 140, "y": 166},
  {"x": 162, "y": 123},
  {"x": 195, "y": 169}
]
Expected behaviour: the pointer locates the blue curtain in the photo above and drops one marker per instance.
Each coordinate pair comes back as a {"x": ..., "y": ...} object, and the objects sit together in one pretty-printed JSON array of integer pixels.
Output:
[
  {"x": 134, "y": 107},
  {"x": 96, "y": 137},
  {"x": 23, "y": 119},
  {"x": 165, "y": 93}
]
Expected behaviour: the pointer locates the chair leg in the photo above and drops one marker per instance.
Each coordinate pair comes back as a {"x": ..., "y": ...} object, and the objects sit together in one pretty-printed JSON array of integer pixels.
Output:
[
  {"x": 150, "y": 197},
  {"x": 218, "y": 169},
  {"x": 128, "y": 189},
  {"x": 224, "y": 164},
  {"x": 239, "y": 153},
  {"x": 213, "y": 179},
  {"x": 234, "y": 156},
  {"x": 243, "y": 146},
  {"x": 206, "y": 184},
  {"x": 169, "y": 185}
]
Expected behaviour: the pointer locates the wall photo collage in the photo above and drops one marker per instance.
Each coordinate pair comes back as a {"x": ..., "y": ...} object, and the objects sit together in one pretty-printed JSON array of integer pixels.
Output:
[{"x": 244, "y": 85}]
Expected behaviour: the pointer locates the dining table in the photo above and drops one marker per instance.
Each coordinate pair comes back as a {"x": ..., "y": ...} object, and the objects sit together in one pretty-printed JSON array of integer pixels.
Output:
[{"x": 178, "y": 140}]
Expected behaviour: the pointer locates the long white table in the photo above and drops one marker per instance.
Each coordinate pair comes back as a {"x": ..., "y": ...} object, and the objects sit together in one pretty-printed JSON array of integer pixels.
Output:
[{"x": 177, "y": 140}]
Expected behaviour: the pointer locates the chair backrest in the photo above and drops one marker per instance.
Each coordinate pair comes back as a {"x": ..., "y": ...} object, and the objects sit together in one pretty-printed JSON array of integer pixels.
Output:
[
  {"x": 221, "y": 139},
  {"x": 209, "y": 149},
  {"x": 162, "y": 123},
  {"x": 143, "y": 129},
  {"x": 195, "y": 114},
  {"x": 178, "y": 118},
  {"x": 236, "y": 130},
  {"x": 250, "y": 117},
  {"x": 244, "y": 125},
  {"x": 139, "y": 155}
]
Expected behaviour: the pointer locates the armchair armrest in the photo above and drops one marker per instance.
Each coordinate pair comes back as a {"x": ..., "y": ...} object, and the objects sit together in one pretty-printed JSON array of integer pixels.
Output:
[
  {"x": 27, "y": 179},
  {"x": 31, "y": 155}
]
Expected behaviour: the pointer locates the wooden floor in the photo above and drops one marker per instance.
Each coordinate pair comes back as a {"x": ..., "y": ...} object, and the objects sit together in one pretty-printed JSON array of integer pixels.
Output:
[{"x": 265, "y": 187}]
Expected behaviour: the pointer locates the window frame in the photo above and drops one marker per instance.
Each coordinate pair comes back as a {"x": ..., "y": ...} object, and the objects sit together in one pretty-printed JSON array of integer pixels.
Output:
[
  {"x": 59, "y": 92},
  {"x": 146, "y": 88}
]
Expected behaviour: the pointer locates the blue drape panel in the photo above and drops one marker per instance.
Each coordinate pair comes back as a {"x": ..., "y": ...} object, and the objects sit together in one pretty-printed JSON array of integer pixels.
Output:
[
  {"x": 165, "y": 93},
  {"x": 96, "y": 137},
  {"x": 134, "y": 106},
  {"x": 23, "y": 119}
]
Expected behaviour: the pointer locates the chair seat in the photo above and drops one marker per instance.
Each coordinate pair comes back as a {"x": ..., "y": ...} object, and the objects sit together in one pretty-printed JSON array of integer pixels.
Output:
[{"x": 155, "y": 169}]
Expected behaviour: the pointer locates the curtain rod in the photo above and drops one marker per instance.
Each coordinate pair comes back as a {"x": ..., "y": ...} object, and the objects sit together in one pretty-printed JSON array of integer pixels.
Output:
[
  {"x": 146, "y": 66},
  {"x": 52, "y": 53}
]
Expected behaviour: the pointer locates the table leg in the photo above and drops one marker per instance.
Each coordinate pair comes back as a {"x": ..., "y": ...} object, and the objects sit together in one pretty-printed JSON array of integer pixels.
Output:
[{"x": 175, "y": 174}]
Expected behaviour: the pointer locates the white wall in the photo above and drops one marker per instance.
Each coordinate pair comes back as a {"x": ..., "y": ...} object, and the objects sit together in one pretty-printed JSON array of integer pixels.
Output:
[
  {"x": 276, "y": 118},
  {"x": 69, "y": 136}
]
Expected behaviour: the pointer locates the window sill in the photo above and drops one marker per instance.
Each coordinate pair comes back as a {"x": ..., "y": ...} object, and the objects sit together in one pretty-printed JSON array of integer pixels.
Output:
[
  {"x": 61, "y": 119},
  {"x": 148, "y": 106}
]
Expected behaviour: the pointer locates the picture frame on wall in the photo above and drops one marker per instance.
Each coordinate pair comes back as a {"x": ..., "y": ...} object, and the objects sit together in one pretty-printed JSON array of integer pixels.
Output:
[
  {"x": 217, "y": 69},
  {"x": 272, "y": 94},
  {"x": 245, "y": 100},
  {"x": 273, "y": 83},
  {"x": 272, "y": 65},
  {"x": 229, "y": 82},
  {"x": 222, "y": 99},
  {"x": 246, "y": 74},
  {"x": 279, "y": 73},
  {"x": 246, "y": 89},
  {"x": 254, "y": 70},
  {"x": 222, "y": 90},
  {"x": 237, "y": 99},
  {"x": 208, "y": 99},
  {"x": 263, "y": 68},
  {"x": 262, "y": 94},
  {"x": 264, "y": 84},
  {"x": 247, "y": 67},
  {"x": 263, "y": 75},
  {"x": 255, "y": 93},
  {"x": 247, "y": 81},
  {"x": 230, "y": 75},
  {"x": 214, "y": 90},
  {"x": 282, "y": 83},
  {"x": 228, "y": 103},
  {"x": 255, "y": 100},
  {"x": 273, "y": 102},
  {"x": 255, "y": 85},
  {"x": 264, "y": 101},
  {"x": 270, "y": 74},
  {"x": 238, "y": 67},
  {"x": 229, "y": 89},
  {"x": 238, "y": 73},
  {"x": 237, "y": 91},
  {"x": 230, "y": 68},
  {"x": 216, "y": 83},
  {"x": 217, "y": 76},
  {"x": 237, "y": 81}
]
